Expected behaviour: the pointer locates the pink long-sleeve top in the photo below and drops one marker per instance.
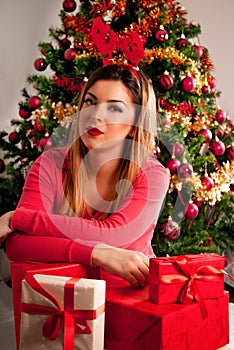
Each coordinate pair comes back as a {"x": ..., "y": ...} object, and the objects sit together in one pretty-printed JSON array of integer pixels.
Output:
[{"x": 41, "y": 233}]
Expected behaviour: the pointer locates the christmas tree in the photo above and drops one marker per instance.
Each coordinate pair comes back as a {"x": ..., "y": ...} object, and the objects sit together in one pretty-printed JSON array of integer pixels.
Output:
[{"x": 195, "y": 135}]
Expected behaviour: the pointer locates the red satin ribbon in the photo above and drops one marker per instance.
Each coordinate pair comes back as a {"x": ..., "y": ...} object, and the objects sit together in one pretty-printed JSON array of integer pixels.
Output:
[
  {"x": 190, "y": 291},
  {"x": 73, "y": 319}
]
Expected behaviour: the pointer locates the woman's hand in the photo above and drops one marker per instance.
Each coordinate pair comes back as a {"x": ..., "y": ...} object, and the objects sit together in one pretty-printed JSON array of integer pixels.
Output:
[
  {"x": 131, "y": 265},
  {"x": 5, "y": 226}
]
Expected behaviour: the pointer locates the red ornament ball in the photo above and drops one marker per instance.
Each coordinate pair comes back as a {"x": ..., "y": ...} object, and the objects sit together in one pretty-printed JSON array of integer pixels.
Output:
[
  {"x": 205, "y": 89},
  {"x": 210, "y": 241},
  {"x": 169, "y": 230},
  {"x": 65, "y": 43},
  {"x": 45, "y": 142},
  {"x": 70, "y": 54},
  {"x": 207, "y": 134},
  {"x": 220, "y": 116},
  {"x": 34, "y": 102},
  {"x": 231, "y": 124},
  {"x": 207, "y": 182},
  {"x": 2, "y": 165},
  {"x": 191, "y": 211},
  {"x": 220, "y": 132},
  {"x": 40, "y": 64},
  {"x": 185, "y": 170},
  {"x": 181, "y": 43},
  {"x": 38, "y": 127},
  {"x": 199, "y": 50},
  {"x": 166, "y": 81},
  {"x": 172, "y": 164},
  {"x": 230, "y": 153},
  {"x": 143, "y": 40},
  {"x": 217, "y": 148},
  {"x": 24, "y": 113},
  {"x": 165, "y": 104},
  {"x": 177, "y": 149},
  {"x": 69, "y": 5},
  {"x": 161, "y": 35},
  {"x": 14, "y": 138},
  {"x": 198, "y": 202},
  {"x": 188, "y": 84},
  {"x": 212, "y": 81}
]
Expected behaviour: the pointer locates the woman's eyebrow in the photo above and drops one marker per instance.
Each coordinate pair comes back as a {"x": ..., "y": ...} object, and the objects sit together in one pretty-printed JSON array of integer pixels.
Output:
[
  {"x": 91, "y": 94},
  {"x": 110, "y": 101}
]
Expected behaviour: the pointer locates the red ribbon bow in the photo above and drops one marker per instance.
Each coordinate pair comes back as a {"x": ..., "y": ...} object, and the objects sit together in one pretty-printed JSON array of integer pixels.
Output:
[
  {"x": 190, "y": 291},
  {"x": 72, "y": 319}
]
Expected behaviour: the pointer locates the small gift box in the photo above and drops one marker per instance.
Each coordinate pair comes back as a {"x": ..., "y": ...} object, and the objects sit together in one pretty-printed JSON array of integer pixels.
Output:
[
  {"x": 133, "y": 322},
  {"x": 186, "y": 278},
  {"x": 20, "y": 270},
  {"x": 62, "y": 313}
]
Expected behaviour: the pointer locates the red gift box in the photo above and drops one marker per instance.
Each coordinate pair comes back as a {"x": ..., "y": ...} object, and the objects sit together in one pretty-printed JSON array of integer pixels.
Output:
[
  {"x": 19, "y": 271},
  {"x": 133, "y": 322},
  {"x": 186, "y": 278}
]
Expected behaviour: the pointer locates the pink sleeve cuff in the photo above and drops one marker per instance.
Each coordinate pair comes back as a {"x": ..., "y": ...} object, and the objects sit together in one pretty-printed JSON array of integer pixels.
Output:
[{"x": 80, "y": 253}]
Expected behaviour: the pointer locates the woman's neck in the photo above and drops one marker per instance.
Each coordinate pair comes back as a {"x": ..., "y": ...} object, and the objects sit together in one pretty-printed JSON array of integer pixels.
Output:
[{"x": 100, "y": 187}]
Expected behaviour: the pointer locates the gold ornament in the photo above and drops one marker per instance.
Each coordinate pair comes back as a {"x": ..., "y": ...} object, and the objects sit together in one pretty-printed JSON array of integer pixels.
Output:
[
  {"x": 61, "y": 113},
  {"x": 40, "y": 113},
  {"x": 222, "y": 178},
  {"x": 172, "y": 53}
]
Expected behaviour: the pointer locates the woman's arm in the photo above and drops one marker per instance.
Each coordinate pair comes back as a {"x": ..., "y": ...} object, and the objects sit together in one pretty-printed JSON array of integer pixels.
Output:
[
  {"x": 130, "y": 265},
  {"x": 24, "y": 247}
]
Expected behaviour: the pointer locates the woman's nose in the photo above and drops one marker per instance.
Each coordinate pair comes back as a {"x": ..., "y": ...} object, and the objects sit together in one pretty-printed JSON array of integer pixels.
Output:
[{"x": 98, "y": 112}]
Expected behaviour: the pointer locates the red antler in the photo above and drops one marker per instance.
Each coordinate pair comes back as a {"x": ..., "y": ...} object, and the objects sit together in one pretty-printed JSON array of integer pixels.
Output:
[
  {"x": 103, "y": 37},
  {"x": 132, "y": 47},
  {"x": 106, "y": 40}
]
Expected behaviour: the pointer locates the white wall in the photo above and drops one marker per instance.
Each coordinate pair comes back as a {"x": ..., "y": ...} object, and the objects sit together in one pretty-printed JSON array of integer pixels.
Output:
[
  {"x": 217, "y": 25},
  {"x": 24, "y": 23}
]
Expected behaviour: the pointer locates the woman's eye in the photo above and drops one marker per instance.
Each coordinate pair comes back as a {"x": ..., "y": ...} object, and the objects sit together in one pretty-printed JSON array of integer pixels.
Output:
[
  {"x": 89, "y": 102},
  {"x": 114, "y": 108}
]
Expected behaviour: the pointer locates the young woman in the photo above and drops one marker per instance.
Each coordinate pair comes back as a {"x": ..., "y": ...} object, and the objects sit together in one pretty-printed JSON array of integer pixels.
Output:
[{"x": 98, "y": 200}]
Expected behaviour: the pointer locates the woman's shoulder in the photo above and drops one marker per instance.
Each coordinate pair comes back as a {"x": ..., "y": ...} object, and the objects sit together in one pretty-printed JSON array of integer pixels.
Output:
[
  {"x": 152, "y": 170},
  {"x": 153, "y": 163}
]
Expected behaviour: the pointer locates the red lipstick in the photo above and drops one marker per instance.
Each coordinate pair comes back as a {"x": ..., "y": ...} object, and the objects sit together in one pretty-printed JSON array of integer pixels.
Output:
[{"x": 94, "y": 132}]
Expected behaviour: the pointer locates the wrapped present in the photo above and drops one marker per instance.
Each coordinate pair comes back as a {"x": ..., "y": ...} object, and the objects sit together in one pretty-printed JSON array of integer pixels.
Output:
[
  {"x": 133, "y": 322},
  {"x": 62, "y": 313},
  {"x": 19, "y": 271},
  {"x": 186, "y": 278}
]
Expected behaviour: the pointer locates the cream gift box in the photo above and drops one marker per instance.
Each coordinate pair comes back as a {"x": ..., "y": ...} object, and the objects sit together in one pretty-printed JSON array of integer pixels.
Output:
[{"x": 62, "y": 313}]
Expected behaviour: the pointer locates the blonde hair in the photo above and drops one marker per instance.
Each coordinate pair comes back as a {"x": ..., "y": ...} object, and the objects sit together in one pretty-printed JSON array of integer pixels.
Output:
[{"x": 138, "y": 148}]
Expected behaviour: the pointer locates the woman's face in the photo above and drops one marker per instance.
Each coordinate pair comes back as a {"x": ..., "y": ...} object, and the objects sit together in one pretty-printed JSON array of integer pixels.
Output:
[{"x": 107, "y": 114}]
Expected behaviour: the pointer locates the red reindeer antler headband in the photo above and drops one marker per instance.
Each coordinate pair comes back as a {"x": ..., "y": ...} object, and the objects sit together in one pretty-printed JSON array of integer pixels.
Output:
[{"x": 106, "y": 40}]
